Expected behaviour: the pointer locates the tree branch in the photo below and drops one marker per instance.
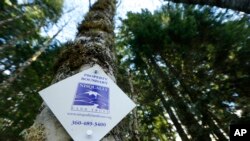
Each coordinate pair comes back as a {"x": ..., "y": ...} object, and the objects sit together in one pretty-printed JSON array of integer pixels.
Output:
[{"x": 238, "y": 5}]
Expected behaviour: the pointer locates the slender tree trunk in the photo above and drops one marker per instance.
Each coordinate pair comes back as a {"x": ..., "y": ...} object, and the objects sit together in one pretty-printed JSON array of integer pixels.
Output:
[
  {"x": 171, "y": 114},
  {"x": 219, "y": 123},
  {"x": 11, "y": 19},
  {"x": 134, "y": 118},
  {"x": 93, "y": 45},
  {"x": 6, "y": 83},
  {"x": 182, "y": 108},
  {"x": 208, "y": 120},
  {"x": 191, "y": 93},
  {"x": 239, "y": 5}
]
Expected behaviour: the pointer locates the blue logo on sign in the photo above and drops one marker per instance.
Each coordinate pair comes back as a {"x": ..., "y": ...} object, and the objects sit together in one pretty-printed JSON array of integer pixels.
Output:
[{"x": 91, "y": 98}]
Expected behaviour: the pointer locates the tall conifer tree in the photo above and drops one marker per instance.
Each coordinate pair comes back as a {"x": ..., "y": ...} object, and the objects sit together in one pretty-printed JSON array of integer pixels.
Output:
[{"x": 93, "y": 45}]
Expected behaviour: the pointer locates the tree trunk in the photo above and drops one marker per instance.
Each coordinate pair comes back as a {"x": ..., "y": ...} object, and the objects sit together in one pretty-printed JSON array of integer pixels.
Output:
[
  {"x": 183, "y": 111},
  {"x": 11, "y": 19},
  {"x": 134, "y": 117},
  {"x": 182, "y": 108},
  {"x": 171, "y": 114},
  {"x": 93, "y": 45},
  {"x": 239, "y": 5},
  {"x": 6, "y": 83},
  {"x": 203, "y": 109}
]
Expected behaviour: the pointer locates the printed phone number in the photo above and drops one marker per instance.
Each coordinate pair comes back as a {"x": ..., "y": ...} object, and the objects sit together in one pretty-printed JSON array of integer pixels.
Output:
[{"x": 88, "y": 123}]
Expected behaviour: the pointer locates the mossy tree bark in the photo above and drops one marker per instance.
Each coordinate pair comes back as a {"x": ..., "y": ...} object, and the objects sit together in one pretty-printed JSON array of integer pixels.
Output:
[{"x": 93, "y": 45}]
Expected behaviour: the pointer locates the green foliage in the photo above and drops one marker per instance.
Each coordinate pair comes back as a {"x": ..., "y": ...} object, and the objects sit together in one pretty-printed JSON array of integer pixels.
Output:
[
  {"x": 23, "y": 21},
  {"x": 20, "y": 103},
  {"x": 20, "y": 39},
  {"x": 197, "y": 58}
]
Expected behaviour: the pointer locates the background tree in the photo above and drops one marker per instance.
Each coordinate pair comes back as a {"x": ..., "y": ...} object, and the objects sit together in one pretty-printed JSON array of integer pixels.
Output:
[
  {"x": 93, "y": 45},
  {"x": 24, "y": 21},
  {"x": 182, "y": 51},
  {"x": 20, "y": 39}
]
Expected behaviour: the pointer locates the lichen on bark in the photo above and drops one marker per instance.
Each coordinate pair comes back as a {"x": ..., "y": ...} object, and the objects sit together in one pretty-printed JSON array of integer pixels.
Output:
[
  {"x": 35, "y": 133},
  {"x": 94, "y": 44}
]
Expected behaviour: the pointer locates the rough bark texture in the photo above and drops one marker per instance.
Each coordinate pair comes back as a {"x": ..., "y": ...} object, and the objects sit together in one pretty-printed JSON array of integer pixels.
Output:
[
  {"x": 239, "y": 5},
  {"x": 93, "y": 45}
]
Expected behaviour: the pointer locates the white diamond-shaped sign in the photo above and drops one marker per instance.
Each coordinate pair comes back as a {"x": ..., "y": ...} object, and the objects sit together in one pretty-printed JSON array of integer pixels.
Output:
[{"x": 88, "y": 104}]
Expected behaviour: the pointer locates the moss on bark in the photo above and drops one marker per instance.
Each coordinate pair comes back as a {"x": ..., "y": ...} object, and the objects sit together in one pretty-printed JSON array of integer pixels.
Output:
[{"x": 93, "y": 45}]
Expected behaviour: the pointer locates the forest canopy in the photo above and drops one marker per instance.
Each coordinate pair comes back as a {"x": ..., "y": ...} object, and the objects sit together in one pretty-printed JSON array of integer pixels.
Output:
[
  {"x": 186, "y": 66},
  {"x": 190, "y": 65},
  {"x": 25, "y": 61}
]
